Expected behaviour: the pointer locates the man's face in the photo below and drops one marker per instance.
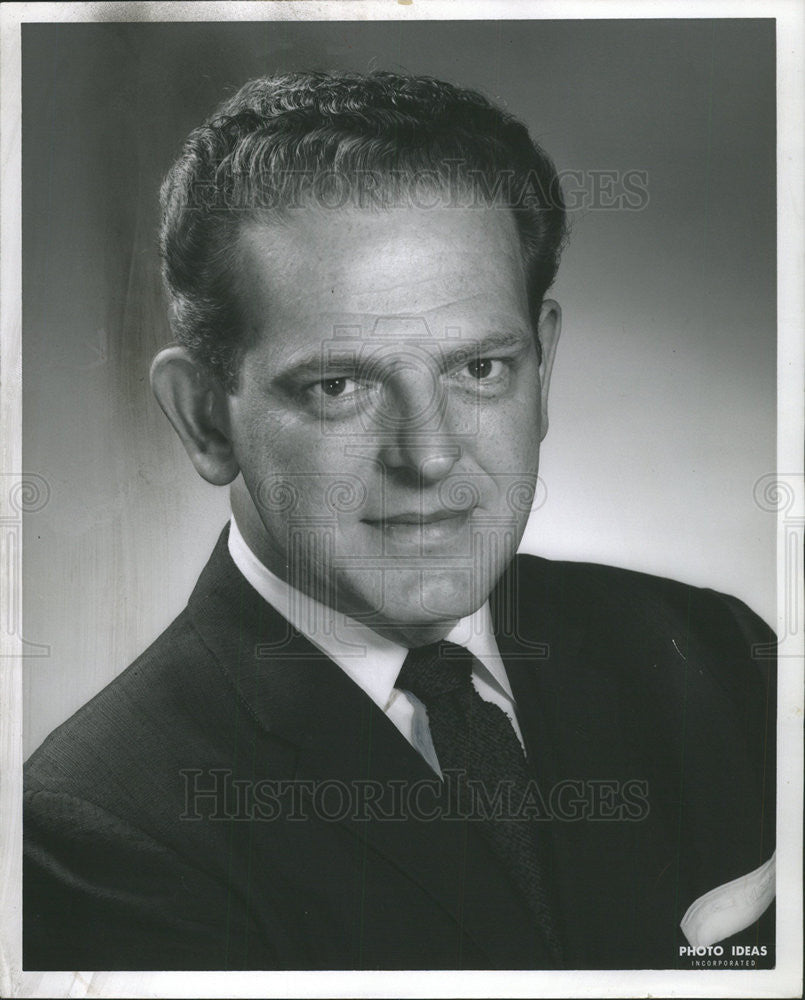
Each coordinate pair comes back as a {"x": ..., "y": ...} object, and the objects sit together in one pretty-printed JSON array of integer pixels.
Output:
[{"x": 387, "y": 421}]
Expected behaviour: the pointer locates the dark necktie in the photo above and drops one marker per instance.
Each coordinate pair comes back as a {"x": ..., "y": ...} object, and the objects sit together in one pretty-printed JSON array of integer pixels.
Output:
[{"x": 475, "y": 738}]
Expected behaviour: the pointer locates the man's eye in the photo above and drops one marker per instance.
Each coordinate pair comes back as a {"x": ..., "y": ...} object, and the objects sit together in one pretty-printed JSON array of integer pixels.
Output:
[
  {"x": 484, "y": 368},
  {"x": 334, "y": 387}
]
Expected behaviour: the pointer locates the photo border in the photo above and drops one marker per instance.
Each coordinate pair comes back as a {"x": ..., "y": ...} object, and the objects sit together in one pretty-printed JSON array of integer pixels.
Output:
[{"x": 785, "y": 492}]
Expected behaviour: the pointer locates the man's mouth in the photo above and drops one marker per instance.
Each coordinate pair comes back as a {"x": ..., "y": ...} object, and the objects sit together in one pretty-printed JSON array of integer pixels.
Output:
[
  {"x": 418, "y": 517},
  {"x": 416, "y": 529}
]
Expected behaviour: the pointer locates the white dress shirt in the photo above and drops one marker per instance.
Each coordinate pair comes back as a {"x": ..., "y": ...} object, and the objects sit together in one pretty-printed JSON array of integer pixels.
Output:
[{"x": 372, "y": 661}]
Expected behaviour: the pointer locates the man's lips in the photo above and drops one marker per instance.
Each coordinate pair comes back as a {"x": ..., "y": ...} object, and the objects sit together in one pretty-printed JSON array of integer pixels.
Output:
[
  {"x": 415, "y": 533},
  {"x": 417, "y": 518}
]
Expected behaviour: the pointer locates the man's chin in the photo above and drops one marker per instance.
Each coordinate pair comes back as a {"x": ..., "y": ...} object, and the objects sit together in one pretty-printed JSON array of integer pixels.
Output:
[{"x": 420, "y": 603}]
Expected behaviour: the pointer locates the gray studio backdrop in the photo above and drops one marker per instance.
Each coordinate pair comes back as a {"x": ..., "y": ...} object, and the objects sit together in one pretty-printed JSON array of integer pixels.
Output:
[{"x": 663, "y": 399}]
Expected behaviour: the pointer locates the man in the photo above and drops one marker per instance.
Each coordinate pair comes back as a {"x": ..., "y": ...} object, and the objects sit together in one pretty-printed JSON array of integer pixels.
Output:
[{"x": 375, "y": 738}]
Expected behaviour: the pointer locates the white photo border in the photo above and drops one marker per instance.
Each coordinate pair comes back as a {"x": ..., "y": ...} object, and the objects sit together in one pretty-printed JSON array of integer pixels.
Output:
[{"x": 786, "y": 490}]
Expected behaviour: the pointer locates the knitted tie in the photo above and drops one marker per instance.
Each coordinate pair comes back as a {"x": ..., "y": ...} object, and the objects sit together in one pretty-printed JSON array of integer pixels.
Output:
[{"x": 476, "y": 739}]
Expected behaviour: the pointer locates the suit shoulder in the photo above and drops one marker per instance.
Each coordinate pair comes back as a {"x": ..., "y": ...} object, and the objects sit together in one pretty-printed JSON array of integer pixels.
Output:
[
  {"x": 634, "y": 594},
  {"x": 145, "y": 714},
  {"x": 647, "y": 618},
  {"x": 684, "y": 663}
]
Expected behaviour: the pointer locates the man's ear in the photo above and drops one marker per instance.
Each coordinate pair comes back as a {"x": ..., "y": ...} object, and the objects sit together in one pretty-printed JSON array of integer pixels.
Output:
[
  {"x": 549, "y": 328},
  {"x": 196, "y": 405}
]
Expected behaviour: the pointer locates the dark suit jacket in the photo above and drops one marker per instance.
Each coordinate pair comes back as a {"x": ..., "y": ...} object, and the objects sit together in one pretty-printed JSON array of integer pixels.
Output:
[{"x": 649, "y": 725}]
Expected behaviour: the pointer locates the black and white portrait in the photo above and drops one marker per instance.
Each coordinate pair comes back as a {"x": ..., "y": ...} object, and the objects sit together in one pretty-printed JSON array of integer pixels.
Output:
[{"x": 401, "y": 496}]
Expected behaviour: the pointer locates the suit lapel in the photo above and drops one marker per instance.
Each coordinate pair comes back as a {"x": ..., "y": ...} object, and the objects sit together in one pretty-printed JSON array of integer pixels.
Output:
[{"x": 299, "y": 695}]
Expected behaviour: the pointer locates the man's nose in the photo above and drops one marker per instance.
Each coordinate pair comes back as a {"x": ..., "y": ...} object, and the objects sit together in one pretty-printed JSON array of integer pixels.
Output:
[{"x": 418, "y": 436}]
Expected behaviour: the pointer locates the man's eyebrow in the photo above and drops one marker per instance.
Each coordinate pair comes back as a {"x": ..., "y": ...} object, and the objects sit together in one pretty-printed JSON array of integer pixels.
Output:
[
  {"x": 350, "y": 355},
  {"x": 495, "y": 340},
  {"x": 309, "y": 366},
  {"x": 456, "y": 350}
]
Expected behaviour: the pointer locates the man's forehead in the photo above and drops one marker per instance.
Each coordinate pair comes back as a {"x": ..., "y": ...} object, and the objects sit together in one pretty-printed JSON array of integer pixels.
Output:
[
  {"x": 453, "y": 319},
  {"x": 417, "y": 294},
  {"x": 361, "y": 270}
]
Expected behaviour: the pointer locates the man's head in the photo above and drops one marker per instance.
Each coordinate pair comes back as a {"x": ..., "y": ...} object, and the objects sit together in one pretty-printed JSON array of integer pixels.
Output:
[{"x": 357, "y": 268}]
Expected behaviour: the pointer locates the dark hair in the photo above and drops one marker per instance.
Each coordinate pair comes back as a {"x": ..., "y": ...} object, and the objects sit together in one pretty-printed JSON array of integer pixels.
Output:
[{"x": 330, "y": 137}]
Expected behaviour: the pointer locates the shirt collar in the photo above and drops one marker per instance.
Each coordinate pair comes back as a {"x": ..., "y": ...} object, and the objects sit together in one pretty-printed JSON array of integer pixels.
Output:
[{"x": 372, "y": 661}]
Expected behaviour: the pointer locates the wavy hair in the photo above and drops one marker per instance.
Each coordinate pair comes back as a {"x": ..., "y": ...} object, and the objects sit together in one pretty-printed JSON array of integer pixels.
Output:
[{"x": 376, "y": 140}]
